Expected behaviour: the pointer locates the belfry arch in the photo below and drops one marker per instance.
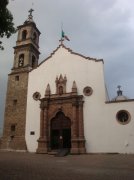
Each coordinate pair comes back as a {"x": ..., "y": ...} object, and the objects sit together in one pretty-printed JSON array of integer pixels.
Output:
[{"x": 61, "y": 117}]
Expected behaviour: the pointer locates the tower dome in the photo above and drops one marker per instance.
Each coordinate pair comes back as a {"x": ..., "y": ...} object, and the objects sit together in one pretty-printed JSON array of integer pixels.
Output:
[{"x": 120, "y": 96}]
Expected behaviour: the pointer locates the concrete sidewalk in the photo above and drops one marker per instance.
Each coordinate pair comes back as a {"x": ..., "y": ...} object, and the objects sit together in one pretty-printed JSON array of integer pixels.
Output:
[{"x": 26, "y": 166}]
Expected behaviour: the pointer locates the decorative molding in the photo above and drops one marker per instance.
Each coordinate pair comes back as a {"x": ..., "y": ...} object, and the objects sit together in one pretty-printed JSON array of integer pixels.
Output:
[
  {"x": 119, "y": 101},
  {"x": 71, "y": 106},
  {"x": 61, "y": 85}
]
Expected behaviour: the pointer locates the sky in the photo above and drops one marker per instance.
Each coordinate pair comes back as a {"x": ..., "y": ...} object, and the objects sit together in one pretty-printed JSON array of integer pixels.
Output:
[{"x": 102, "y": 29}]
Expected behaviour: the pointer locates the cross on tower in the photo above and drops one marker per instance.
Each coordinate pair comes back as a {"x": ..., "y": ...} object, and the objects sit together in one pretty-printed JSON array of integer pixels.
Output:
[
  {"x": 119, "y": 87},
  {"x": 61, "y": 40},
  {"x": 30, "y": 11},
  {"x": 30, "y": 16}
]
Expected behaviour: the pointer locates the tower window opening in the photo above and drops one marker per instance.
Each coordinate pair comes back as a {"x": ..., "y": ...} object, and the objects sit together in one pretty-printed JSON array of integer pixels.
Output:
[
  {"x": 13, "y": 128},
  {"x": 21, "y": 60},
  {"x": 33, "y": 61},
  {"x": 24, "y": 35},
  {"x": 34, "y": 37},
  {"x": 17, "y": 78}
]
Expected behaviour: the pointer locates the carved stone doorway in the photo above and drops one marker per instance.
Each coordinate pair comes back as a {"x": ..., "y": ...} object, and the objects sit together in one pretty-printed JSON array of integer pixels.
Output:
[
  {"x": 60, "y": 132},
  {"x": 61, "y": 119}
]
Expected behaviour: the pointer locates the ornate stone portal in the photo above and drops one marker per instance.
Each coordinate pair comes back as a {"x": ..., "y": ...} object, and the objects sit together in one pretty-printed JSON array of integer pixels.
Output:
[{"x": 61, "y": 119}]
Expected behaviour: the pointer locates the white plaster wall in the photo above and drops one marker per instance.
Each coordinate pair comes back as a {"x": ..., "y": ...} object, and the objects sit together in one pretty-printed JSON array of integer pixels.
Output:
[
  {"x": 102, "y": 132},
  {"x": 84, "y": 72},
  {"x": 105, "y": 135}
]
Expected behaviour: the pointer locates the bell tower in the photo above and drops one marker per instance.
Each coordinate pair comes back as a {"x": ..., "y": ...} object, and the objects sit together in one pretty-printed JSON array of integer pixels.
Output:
[
  {"x": 27, "y": 46},
  {"x": 26, "y": 55}
]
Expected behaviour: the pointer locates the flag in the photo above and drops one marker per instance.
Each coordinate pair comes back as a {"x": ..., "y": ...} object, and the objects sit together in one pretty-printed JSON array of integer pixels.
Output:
[{"x": 64, "y": 36}]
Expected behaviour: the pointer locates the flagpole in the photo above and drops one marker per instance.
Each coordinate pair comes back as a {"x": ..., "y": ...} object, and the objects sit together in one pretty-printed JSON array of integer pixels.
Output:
[
  {"x": 61, "y": 33},
  {"x": 61, "y": 26}
]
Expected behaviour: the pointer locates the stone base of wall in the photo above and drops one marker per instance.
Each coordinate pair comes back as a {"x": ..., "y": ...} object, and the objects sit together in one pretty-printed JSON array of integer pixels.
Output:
[
  {"x": 78, "y": 146},
  {"x": 13, "y": 143},
  {"x": 42, "y": 146}
]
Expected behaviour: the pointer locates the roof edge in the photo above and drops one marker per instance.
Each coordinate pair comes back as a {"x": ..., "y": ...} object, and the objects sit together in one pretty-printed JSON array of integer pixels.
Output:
[{"x": 72, "y": 52}]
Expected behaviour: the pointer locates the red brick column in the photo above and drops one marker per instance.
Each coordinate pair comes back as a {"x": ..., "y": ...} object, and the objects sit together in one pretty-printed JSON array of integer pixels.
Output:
[
  {"x": 41, "y": 123},
  {"x": 74, "y": 126},
  {"x": 45, "y": 129},
  {"x": 81, "y": 125},
  {"x": 74, "y": 130}
]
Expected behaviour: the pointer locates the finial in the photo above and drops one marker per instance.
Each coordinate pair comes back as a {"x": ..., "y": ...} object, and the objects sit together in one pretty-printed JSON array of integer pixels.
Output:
[
  {"x": 30, "y": 16},
  {"x": 119, "y": 87},
  {"x": 74, "y": 88},
  {"x": 119, "y": 92},
  {"x": 48, "y": 91},
  {"x": 61, "y": 41},
  {"x": 65, "y": 78}
]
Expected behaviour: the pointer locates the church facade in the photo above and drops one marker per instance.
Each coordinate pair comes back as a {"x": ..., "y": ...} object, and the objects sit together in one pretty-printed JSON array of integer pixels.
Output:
[{"x": 62, "y": 102}]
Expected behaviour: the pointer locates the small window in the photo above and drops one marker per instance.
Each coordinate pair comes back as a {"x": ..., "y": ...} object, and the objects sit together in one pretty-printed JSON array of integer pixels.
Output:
[
  {"x": 87, "y": 91},
  {"x": 123, "y": 117},
  {"x": 32, "y": 133},
  {"x": 24, "y": 35},
  {"x": 17, "y": 78},
  {"x": 13, "y": 128},
  {"x": 15, "y": 102},
  {"x": 36, "y": 96}
]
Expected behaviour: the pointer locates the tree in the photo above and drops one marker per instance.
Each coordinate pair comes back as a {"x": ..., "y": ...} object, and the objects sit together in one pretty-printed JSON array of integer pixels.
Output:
[{"x": 6, "y": 21}]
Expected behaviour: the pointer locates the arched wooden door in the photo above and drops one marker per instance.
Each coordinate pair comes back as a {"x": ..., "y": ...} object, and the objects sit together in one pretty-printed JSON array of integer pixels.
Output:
[{"x": 60, "y": 131}]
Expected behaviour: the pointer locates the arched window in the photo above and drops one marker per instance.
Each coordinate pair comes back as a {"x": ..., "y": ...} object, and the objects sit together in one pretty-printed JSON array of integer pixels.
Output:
[
  {"x": 34, "y": 37},
  {"x": 24, "y": 34},
  {"x": 21, "y": 60},
  {"x": 33, "y": 61}
]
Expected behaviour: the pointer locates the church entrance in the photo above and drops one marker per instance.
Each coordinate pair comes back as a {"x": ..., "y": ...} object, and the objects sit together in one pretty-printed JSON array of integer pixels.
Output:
[
  {"x": 60, "y": 132},
  {"x": 64, "y": 129}
]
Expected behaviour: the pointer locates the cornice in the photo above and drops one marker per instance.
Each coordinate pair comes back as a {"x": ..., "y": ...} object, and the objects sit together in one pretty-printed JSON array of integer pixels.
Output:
[
  {"x": 119, "y": 101},
  {"x": 27, "y": 46}
]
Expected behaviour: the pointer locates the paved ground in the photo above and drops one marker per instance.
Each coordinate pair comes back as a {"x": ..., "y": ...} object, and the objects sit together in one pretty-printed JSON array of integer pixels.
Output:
[{"x": 26, "y": 166}]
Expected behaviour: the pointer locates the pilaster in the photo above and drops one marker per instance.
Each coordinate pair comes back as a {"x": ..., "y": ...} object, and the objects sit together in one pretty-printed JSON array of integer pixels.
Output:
[
  {"x": 74, "y": 130},
  {"x": 43, "y": 139}
]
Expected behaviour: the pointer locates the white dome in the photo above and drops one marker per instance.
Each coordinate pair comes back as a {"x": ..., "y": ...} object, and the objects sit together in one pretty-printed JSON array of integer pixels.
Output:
[{"x": 118, "y": 98}]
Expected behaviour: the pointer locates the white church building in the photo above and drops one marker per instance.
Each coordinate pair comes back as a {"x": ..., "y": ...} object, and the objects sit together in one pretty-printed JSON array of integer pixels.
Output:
[{"x": 62, "y": 102}]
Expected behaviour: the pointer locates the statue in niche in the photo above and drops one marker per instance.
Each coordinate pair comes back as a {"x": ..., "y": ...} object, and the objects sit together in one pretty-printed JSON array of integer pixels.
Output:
[{"x": 60, "y": 90}]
